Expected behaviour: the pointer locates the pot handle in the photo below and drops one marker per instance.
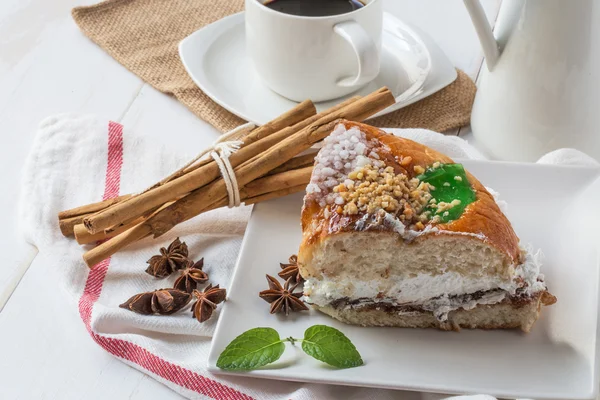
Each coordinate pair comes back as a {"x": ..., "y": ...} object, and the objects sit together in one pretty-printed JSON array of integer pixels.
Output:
[
  {"x": 484, "y": 32},
  {"x": 366, "y": 52}
]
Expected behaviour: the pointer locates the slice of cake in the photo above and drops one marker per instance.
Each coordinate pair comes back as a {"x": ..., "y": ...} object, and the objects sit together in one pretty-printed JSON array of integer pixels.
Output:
[{"x": 397, "y": 234}]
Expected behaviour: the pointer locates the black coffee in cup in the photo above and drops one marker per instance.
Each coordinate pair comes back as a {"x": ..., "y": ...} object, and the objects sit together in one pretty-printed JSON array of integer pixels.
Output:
[{"x": 314, "y": 8}]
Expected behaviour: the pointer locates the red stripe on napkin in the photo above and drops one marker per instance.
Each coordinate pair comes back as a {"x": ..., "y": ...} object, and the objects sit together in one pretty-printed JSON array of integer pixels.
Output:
[{"x": 122, "y": 348}]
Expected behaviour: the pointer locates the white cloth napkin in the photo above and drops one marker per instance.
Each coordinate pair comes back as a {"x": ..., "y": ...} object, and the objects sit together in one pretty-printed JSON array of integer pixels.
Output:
[{"x": 78, "y": 160}]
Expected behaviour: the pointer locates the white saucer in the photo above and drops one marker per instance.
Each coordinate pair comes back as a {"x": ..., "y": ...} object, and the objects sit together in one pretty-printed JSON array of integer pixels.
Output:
[{"x": 413, "y": 67}]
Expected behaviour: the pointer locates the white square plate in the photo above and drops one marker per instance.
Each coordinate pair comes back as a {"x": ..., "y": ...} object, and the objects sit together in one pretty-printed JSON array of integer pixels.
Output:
[{"x": 554, "y": 208}]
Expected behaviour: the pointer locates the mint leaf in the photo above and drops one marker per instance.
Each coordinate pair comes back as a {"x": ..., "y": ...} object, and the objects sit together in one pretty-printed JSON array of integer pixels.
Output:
[
  {"x": 252, "y": 349},
  {"x": 331, "y": 346}
]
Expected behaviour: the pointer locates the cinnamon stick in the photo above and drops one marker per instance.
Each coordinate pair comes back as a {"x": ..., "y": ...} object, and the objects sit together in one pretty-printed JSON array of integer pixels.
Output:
[
  {"x": 249, "y": 138},
  {"x": 195, "y": 179},
  {"x": 214, "y": 194},
  {"x": 90, "y": 208},
  {"x": 197, "y": 201},
  {"x": 66, "y": 225},
  {"x": 265, "y": 196},
  {"x": 69, "y": 218},
  {"x": 110, "y": 247},
  {"x": 201, "y": 199},
  {"x": 304, "y": 139},
  {"x": 275, "y": 195},
  {"x": 296, "y": 115},
  {"x": 304, "y": 160},
  {"x": 295, "y": 177},
  {"x": 265, "y": 188},
  {"x": 82, "y": 236},
  {"x": 259, "y": 147}
]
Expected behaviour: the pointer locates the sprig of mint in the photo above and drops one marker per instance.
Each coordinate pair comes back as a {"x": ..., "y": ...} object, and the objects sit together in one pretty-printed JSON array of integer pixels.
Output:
[
  {"x": 252, "y": 349},
  {"x": 331, "y": 346},
  {"x": 261, "y": 346}
]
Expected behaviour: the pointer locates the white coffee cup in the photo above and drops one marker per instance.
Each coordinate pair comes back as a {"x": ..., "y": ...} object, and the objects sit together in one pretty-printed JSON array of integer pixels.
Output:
[{"x": 317, "y": 58}]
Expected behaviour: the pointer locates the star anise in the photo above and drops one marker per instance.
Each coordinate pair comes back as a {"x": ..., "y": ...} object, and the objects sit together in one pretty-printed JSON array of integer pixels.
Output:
[
  {"x": 191, "y": 276},
  {"x": 170, "y": 259},
  {"x": 162, "y": 301},
  {"x": 282, "y": 298},
  {"x": 207, "y": 302},
  {"x": 291, "y": 270}
]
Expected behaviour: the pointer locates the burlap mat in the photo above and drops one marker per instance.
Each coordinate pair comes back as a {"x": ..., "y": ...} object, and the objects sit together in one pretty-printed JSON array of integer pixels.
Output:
[{"x": 143, "y": 36}]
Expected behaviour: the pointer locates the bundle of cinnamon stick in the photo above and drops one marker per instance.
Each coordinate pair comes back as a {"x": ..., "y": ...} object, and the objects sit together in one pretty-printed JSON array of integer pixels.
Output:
[{"x": 269, "y": 164}]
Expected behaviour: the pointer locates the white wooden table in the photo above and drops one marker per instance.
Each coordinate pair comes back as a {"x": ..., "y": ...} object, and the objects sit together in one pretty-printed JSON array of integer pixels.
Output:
[{"x": 46, "y": 67}]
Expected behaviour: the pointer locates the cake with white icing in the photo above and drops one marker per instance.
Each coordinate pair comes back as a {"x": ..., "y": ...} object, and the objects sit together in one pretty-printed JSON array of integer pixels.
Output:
[{"x": 397, "y": 234}]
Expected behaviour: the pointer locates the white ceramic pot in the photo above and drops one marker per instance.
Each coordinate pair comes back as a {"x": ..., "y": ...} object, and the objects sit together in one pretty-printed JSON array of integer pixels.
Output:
[
  {"x": 317, "y": 58},
  {"x": 541, "y": 88}
]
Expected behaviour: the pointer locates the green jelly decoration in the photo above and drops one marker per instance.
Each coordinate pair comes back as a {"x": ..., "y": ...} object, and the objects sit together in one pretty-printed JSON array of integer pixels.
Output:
[{"x": 450, "y": 182}]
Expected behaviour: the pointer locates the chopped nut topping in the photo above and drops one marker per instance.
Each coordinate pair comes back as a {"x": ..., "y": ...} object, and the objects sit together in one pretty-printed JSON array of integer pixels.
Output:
[
  {"x": 443, "y": 206},
  {"x": 351, "y": 208},
  {"x": 370, "y": 189}
]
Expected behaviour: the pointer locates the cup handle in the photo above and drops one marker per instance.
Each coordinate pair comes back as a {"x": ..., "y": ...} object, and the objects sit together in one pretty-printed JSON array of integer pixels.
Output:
[{"x": 366, "y": 52}]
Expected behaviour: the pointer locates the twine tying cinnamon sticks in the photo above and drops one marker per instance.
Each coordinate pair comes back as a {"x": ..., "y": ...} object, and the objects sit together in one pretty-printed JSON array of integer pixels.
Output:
[
  {"x": 227, "y": 144},
  {"x": 267, "y": 165},
  {"x": 220, "y": 152}
]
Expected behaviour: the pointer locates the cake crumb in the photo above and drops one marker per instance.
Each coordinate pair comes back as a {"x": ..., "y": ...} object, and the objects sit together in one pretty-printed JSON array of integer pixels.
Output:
[
  {"x": 406, "y": 161},
  {"x": 444, "y": 206}
]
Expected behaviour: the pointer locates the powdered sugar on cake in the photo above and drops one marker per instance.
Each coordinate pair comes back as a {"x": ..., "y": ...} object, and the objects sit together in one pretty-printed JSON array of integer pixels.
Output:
[{"x": 343, "y": 151}]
